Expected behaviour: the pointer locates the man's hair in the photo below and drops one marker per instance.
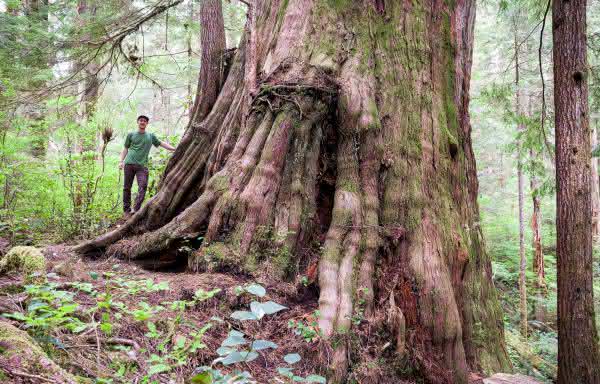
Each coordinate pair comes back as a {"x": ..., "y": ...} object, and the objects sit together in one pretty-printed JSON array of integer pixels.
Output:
[{"x": 143, "y": 117}]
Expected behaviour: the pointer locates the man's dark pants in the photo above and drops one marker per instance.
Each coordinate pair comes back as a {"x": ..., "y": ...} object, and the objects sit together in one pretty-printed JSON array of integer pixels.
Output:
[{"x": 141, "y": 174}]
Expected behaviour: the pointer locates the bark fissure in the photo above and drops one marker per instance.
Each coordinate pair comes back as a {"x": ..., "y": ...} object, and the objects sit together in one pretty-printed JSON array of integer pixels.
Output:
[{"x": 355, "y": 150}]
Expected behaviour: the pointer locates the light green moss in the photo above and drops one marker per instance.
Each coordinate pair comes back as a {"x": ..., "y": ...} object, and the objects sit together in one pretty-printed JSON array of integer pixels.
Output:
[
  {"x": 270, "y": 247},
  {"x": 220, "y": 182},
  {"x": 339, "y": 5},
  {"x": 32, "y": 359},
  {"x": 28, "y": 260}
]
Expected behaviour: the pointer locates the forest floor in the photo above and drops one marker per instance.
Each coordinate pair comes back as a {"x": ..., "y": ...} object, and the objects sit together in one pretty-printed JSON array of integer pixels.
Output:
[
  {"x": 147, "y": 326},
  {"x": 110, "y": 321}
]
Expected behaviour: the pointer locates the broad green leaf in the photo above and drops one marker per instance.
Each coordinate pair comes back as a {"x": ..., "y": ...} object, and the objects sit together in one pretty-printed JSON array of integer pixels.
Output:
[
  {"x": 285, "y": 371},
  {"x": 158, "y": 368},
  {"x": 258, "y": 345},
  {"x": 256, "y": 289},
  {"x": 298, "y": 379},
  {"x": 257, "y": 309},
  {"x": 106, "y": 328},
  {"x": 271, "y": 307},
  {"x": 80, "y": 328},
  {"x": 180, "y": 341},
  {"x": 36, "y": 305},
  {"x": 292, "y": 358},
  {"x": 202, "y": 378},
  {"x": 16, "y": 316},
  {"x": 243, "y": 315},
  {"x": 234, "y": 338},
  {"x": 222, "y": 351},
  {"x": 315, "y": 379},
  {"x": 202, "y": 295},
  {"x": 237, "y": 357}
]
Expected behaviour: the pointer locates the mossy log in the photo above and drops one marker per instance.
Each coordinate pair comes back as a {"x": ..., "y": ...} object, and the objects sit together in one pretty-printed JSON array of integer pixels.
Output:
[
  {"x": 23, "y": 361},
  {"x": 27, "y": 260}
]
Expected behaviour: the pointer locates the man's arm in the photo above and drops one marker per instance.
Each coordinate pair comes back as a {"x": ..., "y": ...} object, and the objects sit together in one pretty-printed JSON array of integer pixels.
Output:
[
  {"x": 167, "y": 146},
  {"x": 123, "y": 155}
]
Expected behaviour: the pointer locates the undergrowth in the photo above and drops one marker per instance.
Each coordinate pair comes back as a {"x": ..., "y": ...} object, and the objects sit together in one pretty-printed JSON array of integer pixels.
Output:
[{"x": 124, "y": 328}]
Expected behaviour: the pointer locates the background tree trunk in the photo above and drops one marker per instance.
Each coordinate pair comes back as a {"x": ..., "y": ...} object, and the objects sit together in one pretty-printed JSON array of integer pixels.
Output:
[
  {"x": 520, "y": 187},
  {"x": 88, "y": 93},
  {"x": 190, "y": 52},
  {"x": 212, "y": 41},
  {"x": 356, "y": 155},
  {"x": 90, "y": 86},
  {"x": 538, "y": 255},
  {"x": 36, "y": 111},
  {"x": 595, "y": 184},
  {"x": 578, "y": 355}
]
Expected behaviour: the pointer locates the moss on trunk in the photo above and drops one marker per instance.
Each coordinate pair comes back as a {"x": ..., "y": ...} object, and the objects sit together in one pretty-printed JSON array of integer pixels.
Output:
[{"x": 355, "y": 151}]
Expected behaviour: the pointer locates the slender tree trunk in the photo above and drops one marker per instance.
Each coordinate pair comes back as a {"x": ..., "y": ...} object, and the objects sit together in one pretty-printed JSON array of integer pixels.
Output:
[
  {"x": 356, "y": 154},
  {"x": 538, "y": 255},
  {"x": 86, "y": 144},
  {"x": 520, "y": 187},
  {"x": 595, "y": 185},
  {"x": 536, "y": 228},
  {"x": 578, "y": 354},
  {"x": 536, "y": 222},
  {"x": 90, "y": 86}
]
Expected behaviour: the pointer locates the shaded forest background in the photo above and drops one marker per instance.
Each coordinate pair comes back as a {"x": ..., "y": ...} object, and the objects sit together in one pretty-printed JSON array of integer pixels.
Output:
[{"x": 71, "y": 190}]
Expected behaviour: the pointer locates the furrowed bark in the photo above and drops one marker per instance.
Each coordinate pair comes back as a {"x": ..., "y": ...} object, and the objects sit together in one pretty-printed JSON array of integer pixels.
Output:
[
  {"x": 355, "y": 150},
  {"x": 578, "y": 354},
  {"x": 595, "y": 184},
  {"x": 212, "y": 41}
]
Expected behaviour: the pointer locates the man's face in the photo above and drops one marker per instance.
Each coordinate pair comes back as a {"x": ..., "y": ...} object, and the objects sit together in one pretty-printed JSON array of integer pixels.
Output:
[{"x": 142, "y": 124}]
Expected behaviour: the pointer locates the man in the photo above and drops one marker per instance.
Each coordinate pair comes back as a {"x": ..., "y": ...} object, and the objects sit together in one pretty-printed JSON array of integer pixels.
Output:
[{"x": 134, "y": 159}]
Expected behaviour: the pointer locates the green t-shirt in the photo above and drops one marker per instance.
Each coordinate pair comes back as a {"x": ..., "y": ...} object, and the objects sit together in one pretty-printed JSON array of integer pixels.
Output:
[{"x": 138, "y": 145}]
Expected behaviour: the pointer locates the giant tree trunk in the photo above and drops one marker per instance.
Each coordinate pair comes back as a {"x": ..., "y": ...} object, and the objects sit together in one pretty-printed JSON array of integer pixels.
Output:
[
  {"x": 356, "y": 150},
  {"x": 578, "y": 354}
]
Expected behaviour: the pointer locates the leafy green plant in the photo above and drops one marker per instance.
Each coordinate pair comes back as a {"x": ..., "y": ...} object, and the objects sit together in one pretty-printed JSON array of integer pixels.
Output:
[
  {"x": 179, "y": 353},
  {"x": 288, "y": 372},
  {"x": 49, "y": 308},
  {"x": 309, "y": 331},
  {"x": 146, "y": 311},
  {"x": 134, "y": 287},
  {"x": 239, "y": 348},
  {"x": 252, "y": 289}
]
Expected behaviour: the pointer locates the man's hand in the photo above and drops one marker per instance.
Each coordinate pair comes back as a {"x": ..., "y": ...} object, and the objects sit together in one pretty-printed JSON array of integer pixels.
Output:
[{"x": 123, "y": 156}]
